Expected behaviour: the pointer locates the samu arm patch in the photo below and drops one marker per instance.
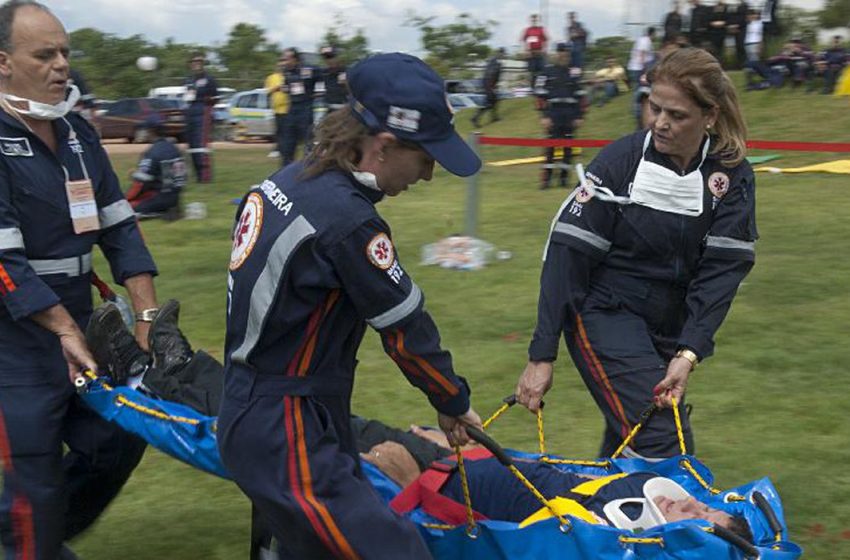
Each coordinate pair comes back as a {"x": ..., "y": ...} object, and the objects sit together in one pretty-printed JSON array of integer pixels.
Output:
[
  {"x": 247, "y": 230},
  {"x": 380, "y": 251}
]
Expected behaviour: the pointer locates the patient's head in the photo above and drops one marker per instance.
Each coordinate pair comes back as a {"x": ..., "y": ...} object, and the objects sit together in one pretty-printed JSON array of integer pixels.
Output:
[{"x": 691, "y": 508}]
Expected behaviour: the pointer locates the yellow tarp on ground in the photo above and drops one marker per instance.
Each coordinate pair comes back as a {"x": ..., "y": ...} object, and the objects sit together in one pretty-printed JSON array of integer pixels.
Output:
[
  {"x": 841, "y": 166},
  {"x": 534, "y": 159},
  {"x": 842, "y": 88}
]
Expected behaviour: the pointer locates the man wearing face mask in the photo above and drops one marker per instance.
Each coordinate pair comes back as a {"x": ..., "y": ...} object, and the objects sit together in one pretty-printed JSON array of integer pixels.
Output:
[
  {"x": 58, "y": 198},
  {"x": 644, "y": 259}
]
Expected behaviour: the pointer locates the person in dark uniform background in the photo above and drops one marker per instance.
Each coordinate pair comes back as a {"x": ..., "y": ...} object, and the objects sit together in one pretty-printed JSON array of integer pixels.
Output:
[
  {"x": 58, "y": 198},
  {"x": 312, "y": 264},
  {"x": 563, "y": 103},
  {"x": 492, "y": 75},
  {"x": 644, "y": 259},
  {"x": 718, "y": 21},
  {"x": 672, "y": 24},
  {"x": 333, "y": 76},
  {"x": 299, "y": 82},
  {"x": 201, "y": 95},
  {"x": 699, "y": 24},
  {"x": 160, "y": 176}
]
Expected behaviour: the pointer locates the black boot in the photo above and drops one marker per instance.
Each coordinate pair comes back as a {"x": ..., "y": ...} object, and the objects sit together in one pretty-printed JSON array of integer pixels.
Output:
[
  {"x": 115, "y": 350},
  {"x": 169, "y": 348}
]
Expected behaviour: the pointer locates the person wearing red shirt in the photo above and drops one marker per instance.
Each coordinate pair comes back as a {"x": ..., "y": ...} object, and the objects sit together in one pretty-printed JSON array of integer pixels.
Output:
[{"x": 534, "y": 38}]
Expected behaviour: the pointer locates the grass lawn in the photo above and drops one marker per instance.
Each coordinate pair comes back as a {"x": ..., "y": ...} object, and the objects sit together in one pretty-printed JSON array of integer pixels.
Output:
[{"x": 772, "y": 401}]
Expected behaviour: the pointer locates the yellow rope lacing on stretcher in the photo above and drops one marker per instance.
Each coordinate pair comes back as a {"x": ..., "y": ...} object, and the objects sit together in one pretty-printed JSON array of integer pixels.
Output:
[{"x": 121, "y": 400}]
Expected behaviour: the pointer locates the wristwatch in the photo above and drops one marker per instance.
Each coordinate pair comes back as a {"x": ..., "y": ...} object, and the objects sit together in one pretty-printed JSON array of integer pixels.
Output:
[
  {"x": 689, "y": 355},
  {"x": 147, "y": 315}
]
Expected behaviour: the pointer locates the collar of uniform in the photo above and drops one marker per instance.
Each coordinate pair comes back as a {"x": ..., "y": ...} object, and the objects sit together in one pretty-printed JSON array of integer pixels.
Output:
[
  {"x": 655, "y": 156},
  {"x": 369, "y": 189},
  {"x": 60, "y": 126}
]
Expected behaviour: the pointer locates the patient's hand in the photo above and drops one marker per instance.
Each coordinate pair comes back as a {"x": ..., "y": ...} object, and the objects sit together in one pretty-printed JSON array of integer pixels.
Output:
[{"x": 394, "y": 461}]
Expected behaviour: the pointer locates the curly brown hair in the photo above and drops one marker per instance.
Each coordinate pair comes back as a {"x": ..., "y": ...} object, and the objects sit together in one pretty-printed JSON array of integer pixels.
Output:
[{"x": 337, "y": 141}]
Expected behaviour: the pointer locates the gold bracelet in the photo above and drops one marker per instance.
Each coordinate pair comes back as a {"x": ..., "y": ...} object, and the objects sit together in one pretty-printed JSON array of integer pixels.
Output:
[
  {"x": 689, "y": 355},
  {"x": 147, "y": 315}
]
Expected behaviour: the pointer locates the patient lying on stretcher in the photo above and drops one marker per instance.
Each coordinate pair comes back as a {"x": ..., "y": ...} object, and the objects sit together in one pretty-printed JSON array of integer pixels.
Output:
[{"x": 174, "y": 372}]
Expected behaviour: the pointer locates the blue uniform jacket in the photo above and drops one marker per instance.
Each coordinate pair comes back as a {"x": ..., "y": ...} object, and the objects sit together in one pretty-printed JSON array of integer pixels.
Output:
[
  {"x": 205, "y": 89},
  {"x": 36, "y": 232},
  {"x": 559, "y": 86},
  {"x": 312, "y": 264},
  {"x": 704, "y": 258},
  {"x": 299, "y": 83},
  {"x": 162, "y": 168}
]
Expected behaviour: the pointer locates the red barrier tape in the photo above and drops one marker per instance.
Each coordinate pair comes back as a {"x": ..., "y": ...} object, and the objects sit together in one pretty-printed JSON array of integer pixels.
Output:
[{"x": 586, "y": 143}]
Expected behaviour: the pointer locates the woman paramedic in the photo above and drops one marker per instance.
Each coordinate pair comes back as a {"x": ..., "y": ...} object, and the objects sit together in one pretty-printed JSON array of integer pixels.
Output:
[
  {"x": 312, "y": 264},
  {"x": 644, "y": 259}
]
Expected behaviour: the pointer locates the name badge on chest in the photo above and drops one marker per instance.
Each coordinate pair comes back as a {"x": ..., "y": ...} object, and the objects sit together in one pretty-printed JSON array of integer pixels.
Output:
[
  {"x": 297, "y": 88},
  {"x": 82, "y": 206}
]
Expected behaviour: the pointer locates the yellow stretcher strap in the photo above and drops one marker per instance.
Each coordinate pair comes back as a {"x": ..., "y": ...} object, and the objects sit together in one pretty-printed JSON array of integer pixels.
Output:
[
  {"x": 467, "y": 499},
  {"x": 591, "y": 487},
  {"x": 560, "y": 506}
]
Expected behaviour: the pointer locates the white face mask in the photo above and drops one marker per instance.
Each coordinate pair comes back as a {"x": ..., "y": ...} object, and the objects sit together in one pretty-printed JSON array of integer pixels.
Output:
[
  {"x": 44, "y": 111},
  {"x": 367, "y": 179},
  {"x": 657, "y": 187}
]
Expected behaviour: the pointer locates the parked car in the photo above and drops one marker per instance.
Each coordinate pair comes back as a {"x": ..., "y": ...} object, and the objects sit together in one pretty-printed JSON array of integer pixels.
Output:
[
  {"x": 121, "y": 118},
  {"x": 250, "y": 115}
]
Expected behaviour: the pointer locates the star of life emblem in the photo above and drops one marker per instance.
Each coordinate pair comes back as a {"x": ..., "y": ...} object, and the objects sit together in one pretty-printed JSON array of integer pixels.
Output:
[
  {"x": 380, "y": 251},
  {"x": 247, "y": 230}
]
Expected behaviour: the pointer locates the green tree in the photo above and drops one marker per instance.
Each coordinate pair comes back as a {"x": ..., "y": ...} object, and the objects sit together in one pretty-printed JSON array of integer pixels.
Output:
[
  {"x": 836, "y": 13},
  {"x": 108, "y": 63},
  {"x": 454, "y": 45},
  {"x": 350, "y": 48},
  {"x": 602, "y": 48},
  {"x": 248, "y": 56}
]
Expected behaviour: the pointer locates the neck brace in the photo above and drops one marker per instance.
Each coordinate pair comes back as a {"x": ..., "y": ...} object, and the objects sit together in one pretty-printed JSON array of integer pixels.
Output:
[
  {"x": 651, "y": 516},
  {"x": 44, "y": 111}
]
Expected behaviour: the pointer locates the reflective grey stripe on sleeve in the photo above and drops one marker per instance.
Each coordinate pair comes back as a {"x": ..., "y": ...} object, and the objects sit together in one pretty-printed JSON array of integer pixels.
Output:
[
  {"x": 69, "y": 266},
  {"x": 115, "y": 213},
  {"x": 730, "y": 243},
  {"x": 399, "y": 312},
  {"x": 269, "y": 281},
  {"x": 142, "y": 176},
  {"x": 11, "y": 238},
  {"x": 588, "y": 237}
]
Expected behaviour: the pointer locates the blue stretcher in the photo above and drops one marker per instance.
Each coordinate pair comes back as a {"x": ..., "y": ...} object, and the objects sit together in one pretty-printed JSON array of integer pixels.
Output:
[{"x": 189, "y": 436}]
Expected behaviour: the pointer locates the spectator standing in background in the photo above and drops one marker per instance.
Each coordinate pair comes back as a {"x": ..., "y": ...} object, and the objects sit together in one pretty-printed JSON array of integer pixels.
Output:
[
  {"x": 737, "y": 28},
  {"x": 492, "y": 74},
  {"x": 299, "y": 83},
  {"x": 535, "y": 40},
  {"x": 640, "y": 59},
  {"x": 333, "y": 76},
  {"x": 672, "y": 24},
  {"x": 577, "y": 37},
  {"x": 279, "y": 101},
  {"x": 699, "y": 24},
  {"x": 201, "y": 95},
  {"x": 717, "y": 21},
  {"x": 753, "y": 44}
]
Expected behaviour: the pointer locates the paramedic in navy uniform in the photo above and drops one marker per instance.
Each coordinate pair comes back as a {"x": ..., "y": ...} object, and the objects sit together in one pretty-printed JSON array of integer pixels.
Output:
[
  {"x": 312, "y": 264},
  {"x": 201, "y": 96},
  {"x": 58, "y": 197},
  {"x": 642, "y": 264}
]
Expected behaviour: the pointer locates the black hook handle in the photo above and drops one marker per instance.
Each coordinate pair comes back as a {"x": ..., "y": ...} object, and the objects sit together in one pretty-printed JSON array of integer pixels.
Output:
[
  {"x": 490, "y": 444},
  {"x": 734, "y": 539},
  {"x": 764, "y": 506}
]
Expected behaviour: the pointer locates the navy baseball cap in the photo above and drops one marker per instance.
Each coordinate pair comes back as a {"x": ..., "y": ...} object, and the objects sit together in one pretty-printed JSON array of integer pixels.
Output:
[{"x": 400, "y": 94}]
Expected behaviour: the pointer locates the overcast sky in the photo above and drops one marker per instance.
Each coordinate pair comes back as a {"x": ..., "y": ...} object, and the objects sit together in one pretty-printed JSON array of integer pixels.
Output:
[{"x": 302, "y": 23}]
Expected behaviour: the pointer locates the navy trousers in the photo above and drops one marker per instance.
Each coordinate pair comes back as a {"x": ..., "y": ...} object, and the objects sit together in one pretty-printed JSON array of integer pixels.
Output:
[
  {"x": 624, "y": 338},
  {"x": 295, "y": 458},
  {"x": 199, "y": 125},
  {"x": 296, "y": 130},
  {"x": 49, "y": 498},
  {"x": 562, "y": 127}
]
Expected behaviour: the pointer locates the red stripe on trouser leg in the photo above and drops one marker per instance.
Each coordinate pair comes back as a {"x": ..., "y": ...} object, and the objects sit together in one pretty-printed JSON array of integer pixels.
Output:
[
  {"x": 289, "y": 404},
  {"x": 21, "y": 510}
]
